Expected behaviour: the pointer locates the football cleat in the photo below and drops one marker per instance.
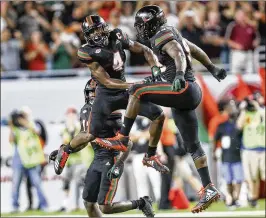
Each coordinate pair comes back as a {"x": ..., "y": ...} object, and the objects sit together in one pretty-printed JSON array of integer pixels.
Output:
[
  {"x": 60, "y": 160},
  {"x": 118, "y": 142},
  {"x": 155, "y": 163},
  {"x": 208, "y": 195},
  {"x": 147, "y": 209}
]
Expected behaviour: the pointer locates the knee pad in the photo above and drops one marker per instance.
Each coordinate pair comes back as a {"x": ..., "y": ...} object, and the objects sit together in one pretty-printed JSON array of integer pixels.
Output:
[{"x": 196, "y": 151}]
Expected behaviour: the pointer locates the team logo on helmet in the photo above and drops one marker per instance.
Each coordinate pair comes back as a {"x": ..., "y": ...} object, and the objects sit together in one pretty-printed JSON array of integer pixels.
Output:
[
  {"x": 98, "y": 51},
  {"x": 147, "y": 18}
]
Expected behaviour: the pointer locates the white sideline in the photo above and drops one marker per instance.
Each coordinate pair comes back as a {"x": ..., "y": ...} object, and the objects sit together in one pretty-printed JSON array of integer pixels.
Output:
[{"x": 260, "y": 213}]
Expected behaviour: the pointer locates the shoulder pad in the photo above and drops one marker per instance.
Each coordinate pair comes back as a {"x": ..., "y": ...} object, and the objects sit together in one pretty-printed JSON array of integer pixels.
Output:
[
  {"x": 162, "y": 37},
  {"x": 87, "y": 54}
]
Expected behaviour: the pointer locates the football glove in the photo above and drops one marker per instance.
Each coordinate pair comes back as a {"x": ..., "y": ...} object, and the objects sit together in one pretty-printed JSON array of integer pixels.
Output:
[
  {"x": 179, "y": 83},
  {"x": 218, "y": 73},
  {"x": 53, "y": 155},
  {"x": 115, "y": 172},
  {"x": 156, "y": 71}
]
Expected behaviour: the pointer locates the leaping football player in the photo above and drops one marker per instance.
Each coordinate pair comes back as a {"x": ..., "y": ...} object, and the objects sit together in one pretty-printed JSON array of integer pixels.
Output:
[{"x": 175, "y": 88}]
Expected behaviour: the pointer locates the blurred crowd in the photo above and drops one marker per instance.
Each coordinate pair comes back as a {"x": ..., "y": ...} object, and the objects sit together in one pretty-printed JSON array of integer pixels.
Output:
[
  {"x": 46, "y": 34},
  {"x": 237, "y": 136}
]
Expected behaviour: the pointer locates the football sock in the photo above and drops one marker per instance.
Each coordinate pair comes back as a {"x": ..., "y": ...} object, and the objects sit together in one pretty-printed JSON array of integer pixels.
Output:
[
  {"x": 68, "y": 149},
  {"x": 127, "y": 125},
  {"x": 151, "y": 151},
  {"x": 204, "y": 176},
  {"x": 138, "y": 204}
]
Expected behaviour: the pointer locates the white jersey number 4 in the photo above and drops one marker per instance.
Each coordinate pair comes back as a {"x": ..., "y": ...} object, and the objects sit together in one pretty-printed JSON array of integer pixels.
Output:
[{"x": 118, "y": 62}]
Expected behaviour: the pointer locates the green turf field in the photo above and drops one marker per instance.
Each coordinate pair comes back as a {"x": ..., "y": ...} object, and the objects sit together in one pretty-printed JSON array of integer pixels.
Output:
[{"x": 216, "y": 207}]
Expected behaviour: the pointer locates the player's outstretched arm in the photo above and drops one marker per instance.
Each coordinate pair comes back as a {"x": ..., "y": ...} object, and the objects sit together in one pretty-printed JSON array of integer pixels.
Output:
[
  {"x": 150, "y": 57},
  {"x": 203, "y": 58},
  {"x": 100, "y": 74}
]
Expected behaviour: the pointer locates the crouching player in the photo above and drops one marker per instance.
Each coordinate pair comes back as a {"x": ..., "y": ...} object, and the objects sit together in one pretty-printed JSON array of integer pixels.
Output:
[{"x": 102, "y": 176}]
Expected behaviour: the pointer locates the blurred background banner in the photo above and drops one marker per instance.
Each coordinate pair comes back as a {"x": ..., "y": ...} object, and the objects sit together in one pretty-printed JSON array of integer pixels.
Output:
[{"x": 41, "y": 79}]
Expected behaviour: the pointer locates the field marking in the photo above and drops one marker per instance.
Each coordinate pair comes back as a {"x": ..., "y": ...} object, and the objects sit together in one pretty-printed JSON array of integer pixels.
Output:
[{"x": 260, "y": 213}]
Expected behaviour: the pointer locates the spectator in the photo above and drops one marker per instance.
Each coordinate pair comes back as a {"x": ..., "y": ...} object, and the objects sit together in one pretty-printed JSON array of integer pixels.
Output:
[
  {"x": 259, "y": 15},
  {"x": 140, "y": 138},
  {"x": 36, "y": 52},
  {"x": 31, "y": 21},
  {"x": 172, "y": 20},
  {"x": 67, "y": 35},
  {"x": 27, "y": 159},
  {"x": 8, "y": 16},
  {"x": 228, "y": 140},
  {"x": 41, "y": 131},
  {"x": 115, "y": 22},
  {"x": 190, "y": 30},
  {"x": 212, "y": 38},
  {"x": 127, "y": 18},
  {"x": 242, "y": 39},
  {"x": 252, "y": 122},
  {"x": 62, "y": 52},
  {"x": 10, "y": 50},
  {"x": 106, "y": 8}
]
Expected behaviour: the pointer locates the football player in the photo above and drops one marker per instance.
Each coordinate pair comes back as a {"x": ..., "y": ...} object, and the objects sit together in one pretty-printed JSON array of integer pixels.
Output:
[
  {"x": 175, "y": 88},
  {"x": 104, "y": 55},
  {"x": 100, "y": 187}
]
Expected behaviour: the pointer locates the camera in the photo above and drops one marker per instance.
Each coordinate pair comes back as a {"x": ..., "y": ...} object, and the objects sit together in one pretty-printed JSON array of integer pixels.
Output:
[
  {"x": 250, "y": 106},
  {"x": 15, "y": 115}
]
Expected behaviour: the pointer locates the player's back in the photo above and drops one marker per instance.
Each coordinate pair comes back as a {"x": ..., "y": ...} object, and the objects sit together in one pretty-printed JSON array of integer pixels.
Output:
[
  {"x": 110, "y": 127},
  {"x": 162, "y": 37},
  {"x": 112, "y": 57}
]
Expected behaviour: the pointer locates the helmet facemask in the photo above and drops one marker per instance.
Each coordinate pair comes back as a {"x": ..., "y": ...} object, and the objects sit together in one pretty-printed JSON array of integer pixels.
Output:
[{"x": 97, "y": 35}]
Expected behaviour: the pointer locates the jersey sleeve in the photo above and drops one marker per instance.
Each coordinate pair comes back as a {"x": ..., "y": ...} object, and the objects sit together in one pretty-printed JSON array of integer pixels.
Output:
[
  {"x": 162, "y": 38},
  {"x": 122, "y": 37},
  {"x": 85, "y": 55}
]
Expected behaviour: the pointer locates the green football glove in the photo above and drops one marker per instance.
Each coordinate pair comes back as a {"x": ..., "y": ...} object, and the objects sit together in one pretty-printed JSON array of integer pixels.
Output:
[
  {"x": 156, "y": 71},
  {"x": 179, "y": 83},
  {"x": 115, "y": 172}
]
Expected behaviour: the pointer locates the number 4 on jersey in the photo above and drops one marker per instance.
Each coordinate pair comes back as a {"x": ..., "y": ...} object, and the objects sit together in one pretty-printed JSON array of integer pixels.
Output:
[{"x": 118, "y": 62}]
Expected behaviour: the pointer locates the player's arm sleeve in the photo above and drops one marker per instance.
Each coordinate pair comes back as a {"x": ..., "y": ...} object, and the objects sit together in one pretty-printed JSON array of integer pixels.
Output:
[
  {"x": 150, "y": 57},
  {"x": 84, "y": 56}
]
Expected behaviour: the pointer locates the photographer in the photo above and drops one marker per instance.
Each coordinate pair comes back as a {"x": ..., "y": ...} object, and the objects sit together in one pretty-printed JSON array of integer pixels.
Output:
[
  {"x": 228, "y": 140},
  {"x": 252, "y": 122},
  {"x": 28, "y": 157}
]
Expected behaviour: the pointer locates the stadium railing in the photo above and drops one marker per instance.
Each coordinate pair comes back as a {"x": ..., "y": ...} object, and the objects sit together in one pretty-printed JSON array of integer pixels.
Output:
[{"x": 141, "y": 71}]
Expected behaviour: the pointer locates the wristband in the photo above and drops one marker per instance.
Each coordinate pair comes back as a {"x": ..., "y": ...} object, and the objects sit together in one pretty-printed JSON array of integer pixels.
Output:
[{"x": 179, "y": 74}]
